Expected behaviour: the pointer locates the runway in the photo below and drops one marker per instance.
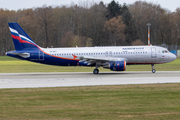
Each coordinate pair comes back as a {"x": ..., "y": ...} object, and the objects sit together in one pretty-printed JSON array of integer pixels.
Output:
[{"x": 33, "y": 80}]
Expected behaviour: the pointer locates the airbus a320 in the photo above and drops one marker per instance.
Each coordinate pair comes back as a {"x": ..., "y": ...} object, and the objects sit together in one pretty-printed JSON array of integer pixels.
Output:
[{"x": 113, "y": 58}]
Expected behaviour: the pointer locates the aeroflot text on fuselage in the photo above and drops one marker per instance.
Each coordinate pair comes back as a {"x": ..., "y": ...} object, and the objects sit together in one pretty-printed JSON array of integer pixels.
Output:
[
  {"x": 140, "y": 48},
  {"x": 113, "y": 58}
]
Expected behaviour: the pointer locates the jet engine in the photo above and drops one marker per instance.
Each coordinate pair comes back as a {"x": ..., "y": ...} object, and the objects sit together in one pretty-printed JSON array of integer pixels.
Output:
[{"x": 115, "y": 65}]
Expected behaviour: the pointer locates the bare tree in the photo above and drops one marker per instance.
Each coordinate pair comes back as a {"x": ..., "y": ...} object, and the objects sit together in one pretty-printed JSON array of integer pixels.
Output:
[
  {"x": 115, "y": 27},
  {"x": 137, "y": 42},
  {"x": 177, "y": 23},
  {"x": 143, "y": 13},
  {"x": 44, "y": 16}
]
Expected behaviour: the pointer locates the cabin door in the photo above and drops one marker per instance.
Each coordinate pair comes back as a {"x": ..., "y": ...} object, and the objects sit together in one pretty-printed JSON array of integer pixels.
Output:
[{"x": 153, "y": 52}]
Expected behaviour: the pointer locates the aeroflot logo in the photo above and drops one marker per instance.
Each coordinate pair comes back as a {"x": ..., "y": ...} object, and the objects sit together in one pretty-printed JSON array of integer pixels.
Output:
[{"x": 140, "y": 48}]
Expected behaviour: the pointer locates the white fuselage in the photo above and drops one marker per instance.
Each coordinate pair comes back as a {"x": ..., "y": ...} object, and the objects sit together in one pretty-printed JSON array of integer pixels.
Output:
[{"x": 131, "y": 54}]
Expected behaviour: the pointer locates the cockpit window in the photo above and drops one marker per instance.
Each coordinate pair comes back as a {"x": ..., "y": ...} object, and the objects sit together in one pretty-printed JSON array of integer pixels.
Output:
[{"x": 165, "y": 51}]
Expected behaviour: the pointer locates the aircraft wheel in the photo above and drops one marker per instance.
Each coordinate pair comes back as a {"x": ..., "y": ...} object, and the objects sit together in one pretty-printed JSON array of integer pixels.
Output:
[
  {"x": 96, "y": 71},
  {"x": 153, "y": 70}
]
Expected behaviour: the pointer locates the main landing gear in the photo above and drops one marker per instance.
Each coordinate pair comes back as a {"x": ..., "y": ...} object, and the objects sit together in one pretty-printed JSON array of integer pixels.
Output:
[
  {"x": 96, "y": 70},
  {"x": 153, "y": 70}
]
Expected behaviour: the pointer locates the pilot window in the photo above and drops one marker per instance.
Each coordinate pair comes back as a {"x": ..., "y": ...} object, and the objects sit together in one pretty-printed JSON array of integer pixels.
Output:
[{"x": 164, "y": 51}]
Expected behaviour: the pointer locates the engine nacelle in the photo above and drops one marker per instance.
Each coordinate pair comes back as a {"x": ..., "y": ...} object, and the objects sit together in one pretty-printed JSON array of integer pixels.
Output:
[{"x": 116, "y": 65}]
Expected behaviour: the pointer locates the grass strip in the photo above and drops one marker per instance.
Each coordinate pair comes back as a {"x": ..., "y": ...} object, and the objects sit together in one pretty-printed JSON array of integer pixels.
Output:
[{"x": 137, "y": 102}]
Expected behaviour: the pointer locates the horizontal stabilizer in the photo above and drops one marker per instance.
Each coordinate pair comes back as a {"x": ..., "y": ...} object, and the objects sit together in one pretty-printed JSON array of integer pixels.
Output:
[{"x": 24, "y": 55}]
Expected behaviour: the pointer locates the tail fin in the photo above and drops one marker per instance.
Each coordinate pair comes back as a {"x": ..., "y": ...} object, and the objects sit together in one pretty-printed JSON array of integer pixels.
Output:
[{"x": 20, "y": 38}]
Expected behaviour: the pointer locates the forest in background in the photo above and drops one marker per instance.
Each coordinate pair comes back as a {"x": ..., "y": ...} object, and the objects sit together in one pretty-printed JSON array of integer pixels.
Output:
[{"x": 93, "y": 24}]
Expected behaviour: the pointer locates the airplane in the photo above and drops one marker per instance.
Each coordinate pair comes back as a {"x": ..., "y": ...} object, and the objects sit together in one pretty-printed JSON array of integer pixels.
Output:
[{"x": 113, "y": 58}]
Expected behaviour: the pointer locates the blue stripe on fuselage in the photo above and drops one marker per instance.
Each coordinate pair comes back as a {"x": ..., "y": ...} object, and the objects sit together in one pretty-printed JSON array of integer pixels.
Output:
[{"x": 47, "y": 59}]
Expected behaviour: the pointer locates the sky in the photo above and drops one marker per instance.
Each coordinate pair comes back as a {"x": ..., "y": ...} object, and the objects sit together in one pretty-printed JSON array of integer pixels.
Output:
[{"x": 24, "y": 4}]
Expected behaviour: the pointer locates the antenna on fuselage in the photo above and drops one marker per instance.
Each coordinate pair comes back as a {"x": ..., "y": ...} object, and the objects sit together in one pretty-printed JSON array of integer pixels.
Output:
[{"x": 149, "y": 24}]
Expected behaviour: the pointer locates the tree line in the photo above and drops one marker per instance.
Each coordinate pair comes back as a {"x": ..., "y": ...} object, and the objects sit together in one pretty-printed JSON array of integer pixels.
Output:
[{"x": 93, "y": 24}]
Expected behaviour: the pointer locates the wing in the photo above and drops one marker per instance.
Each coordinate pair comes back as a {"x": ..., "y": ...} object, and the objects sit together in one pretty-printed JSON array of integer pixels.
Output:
[{"x": 100, "y": 60}]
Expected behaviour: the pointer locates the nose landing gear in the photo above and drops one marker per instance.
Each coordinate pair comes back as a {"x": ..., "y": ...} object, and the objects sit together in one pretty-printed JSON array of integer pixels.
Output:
[{"x": 153, "y": 70}]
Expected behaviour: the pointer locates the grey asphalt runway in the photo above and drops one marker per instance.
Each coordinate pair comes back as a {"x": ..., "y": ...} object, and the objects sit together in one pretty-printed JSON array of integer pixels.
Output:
[{"x": 32, "y": 80}]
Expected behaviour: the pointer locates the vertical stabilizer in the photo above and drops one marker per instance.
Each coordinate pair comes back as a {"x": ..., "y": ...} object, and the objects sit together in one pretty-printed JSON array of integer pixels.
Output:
[{"x": 20, "y": 38}]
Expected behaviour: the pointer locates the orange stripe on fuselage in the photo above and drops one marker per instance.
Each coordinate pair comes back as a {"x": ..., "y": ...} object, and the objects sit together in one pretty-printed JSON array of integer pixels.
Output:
[
  {"x": 64, "y": 58},
  {"x": 58, "y": 56}
]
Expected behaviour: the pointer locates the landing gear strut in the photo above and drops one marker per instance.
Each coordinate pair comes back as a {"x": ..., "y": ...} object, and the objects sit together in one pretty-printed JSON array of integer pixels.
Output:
[{"x": 153, "y": 70}]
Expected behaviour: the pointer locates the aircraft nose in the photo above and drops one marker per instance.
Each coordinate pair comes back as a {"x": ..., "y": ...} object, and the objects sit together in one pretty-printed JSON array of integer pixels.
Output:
[{"x": 173, "y": 57}]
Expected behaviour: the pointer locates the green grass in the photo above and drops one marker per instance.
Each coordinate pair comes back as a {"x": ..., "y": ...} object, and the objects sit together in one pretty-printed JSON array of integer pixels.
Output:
[
  {"x": 127, "y": 102},
  {"x": 12, "y": 65},
  {"x": 6, "y": 58}
]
